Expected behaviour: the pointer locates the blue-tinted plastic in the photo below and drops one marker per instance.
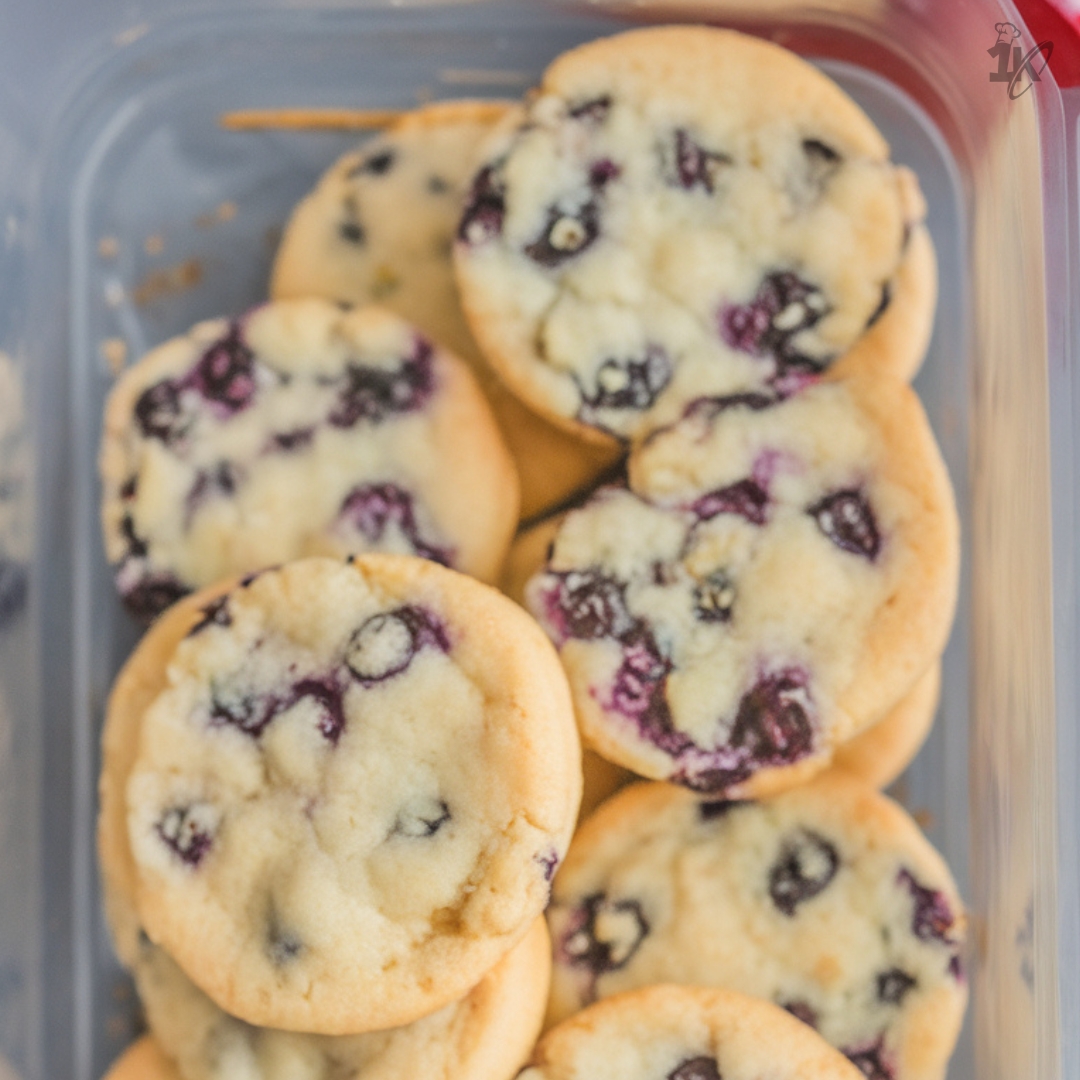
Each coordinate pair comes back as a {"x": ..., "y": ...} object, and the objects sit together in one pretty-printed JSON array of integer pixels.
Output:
[{"x": 117, "y": 225}]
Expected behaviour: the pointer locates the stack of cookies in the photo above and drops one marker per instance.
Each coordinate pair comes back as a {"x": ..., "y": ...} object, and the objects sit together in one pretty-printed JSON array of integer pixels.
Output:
[{"x": 660, "y": 320}]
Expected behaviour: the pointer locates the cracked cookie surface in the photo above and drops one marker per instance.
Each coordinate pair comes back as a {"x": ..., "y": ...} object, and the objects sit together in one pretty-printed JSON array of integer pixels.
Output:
[
  {"x": 688, "y": 211},
  {"x": 826, "y": 900},
  {"x": 298, "y": 430},
  {"x": 775, "y": 578},
  {"x": 350, "y": 792}
]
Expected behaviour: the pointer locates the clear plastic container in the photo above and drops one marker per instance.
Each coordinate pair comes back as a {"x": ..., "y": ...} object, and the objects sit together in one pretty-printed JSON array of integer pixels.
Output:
[{"x": 126, "y": 213}]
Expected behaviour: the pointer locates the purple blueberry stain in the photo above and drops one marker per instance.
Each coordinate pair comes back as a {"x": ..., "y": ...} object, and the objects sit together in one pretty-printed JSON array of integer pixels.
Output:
[
  {"x": 374, "y": 509},
  {"x": 804, "y": 868},
  {"x": 159, "y": 412},
  {"x": 385, "y": 644},
  {"x": 821, "y": 162},
  {"x": 151, "y": 594},
  {"x": 932, "y": 918},
  {"x": 638, "y": 687},
  {"x": 287, "y": 441},
  {"x": 567, "y": 231},
  {"x": 956, "y": 970},
  {"x": 628, "y": 383},
  {"x": 593, "y": 111},
  {"x": 586, "y": 605},
  {"x": 129, "y": 488},
  {"x": 801, "y": 1011},
  {"x": 549, "y": 863},
  {"x": 377, "y": 164},
  {"x": 602, "y": 172},
  {"x": 249, "y": 713},
  {"x": 327, "y": 694},
  {"x": 714, "y": 598},
  {"x": 188, "y": 831},
  {"x": 871, "y": 1059},
  {"x": 485, "y": 208},
  {"x": 225, "y": 374},
  {"x": 746, "y": 498},
  {"x": 373, "y": 393},
  {"x": 773, "y": 725},
  {"x": 216, "y": 613},
  {"x": 422, "y": 822},
  {"x": 783, "y": 307},
  {"x": 894, "y": 985},
  {"x": 604, "y": 934},
  {"x": 847, "y": 519},
  {"x": 883, "y": 303},
  {"x": 283, "y": 945},
  {"x": 694, "y": 166},
  {"x": 352, "y": 232},
  {"x": 715, "y": 809},
  {"x": 696, "y": 1068},
  {"x": 218, "y": 481}
]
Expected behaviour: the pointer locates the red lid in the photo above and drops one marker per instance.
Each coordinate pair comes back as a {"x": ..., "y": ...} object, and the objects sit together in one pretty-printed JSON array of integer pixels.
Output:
[{"x": 1055, "y": 27}]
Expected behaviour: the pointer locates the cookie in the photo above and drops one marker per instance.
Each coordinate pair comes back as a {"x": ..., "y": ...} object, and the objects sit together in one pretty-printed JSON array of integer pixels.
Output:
[
  {"x": 379, "y": 227},
  {"x": 879, "y": 754},
  {"x": 487, "y": 1035},
  {"x": 351, "y": 793},
  {"x": 685, "y": 211},
  {"x": 826, "y": 900},
  {"x": 296, "y": 430},
  {"x": 143, "y": 1060},
  {"x": 882, "y": 752},
  {"x": 685, "y": 1033},
  {"x": 778, "y": 574}
]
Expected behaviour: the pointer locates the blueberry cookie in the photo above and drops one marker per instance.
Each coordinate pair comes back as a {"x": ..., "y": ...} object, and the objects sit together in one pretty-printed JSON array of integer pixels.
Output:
[
  {"x": 350, "y": 793},
  {"x": 882, "y": 752},
  {"x": 686, "y": 211},
  {"x": 379, "y": 228},
  {"x": 826, "y": 900},
  {"x": 143, "y": 1060},
  {"x": 777, "y": 575},
  {"x": 685, "y": 1033},
  {"x": 298, "y": 430},
  {"x": 484, "y": 1036}
]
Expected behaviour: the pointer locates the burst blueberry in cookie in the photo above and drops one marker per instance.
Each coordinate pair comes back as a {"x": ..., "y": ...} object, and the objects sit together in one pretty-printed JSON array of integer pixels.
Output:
[
  {"x": 770, "y": 581},
  {"x": 826, "y": 900},
  {"x": 687, "y": 211},
  {"x": 348, "y": 796},
  {"x": 298, "y": 429}
]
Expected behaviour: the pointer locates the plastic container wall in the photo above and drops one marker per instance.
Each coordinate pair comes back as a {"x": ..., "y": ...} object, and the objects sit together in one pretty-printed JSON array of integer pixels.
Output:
[{"x": 126, "y": 213}]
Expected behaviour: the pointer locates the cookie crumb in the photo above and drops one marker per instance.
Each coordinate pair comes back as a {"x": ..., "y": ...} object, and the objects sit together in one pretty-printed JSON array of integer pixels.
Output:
[
  {"x": 114, "y": 352},
  {"x": 154, "y": 245},
  {"x": 108, "y": 247},
  {"x": 171, "y": 279}
]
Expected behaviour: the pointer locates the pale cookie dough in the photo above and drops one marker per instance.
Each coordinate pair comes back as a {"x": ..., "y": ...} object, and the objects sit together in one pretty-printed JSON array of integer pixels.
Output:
[
  {"x": 379, "y": 228},
  {"x": 143, "y": 1060},
  {"x": 350, "y": 792},
  {"x": 298, "y": 429},
  {"x": 826, "y": 900},
  {"x": 777, "y": 576},
  {"x": 685, "y": 1033},
  {"x": 882, "y": 752},
  {"x": 687, "y": 211}
]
